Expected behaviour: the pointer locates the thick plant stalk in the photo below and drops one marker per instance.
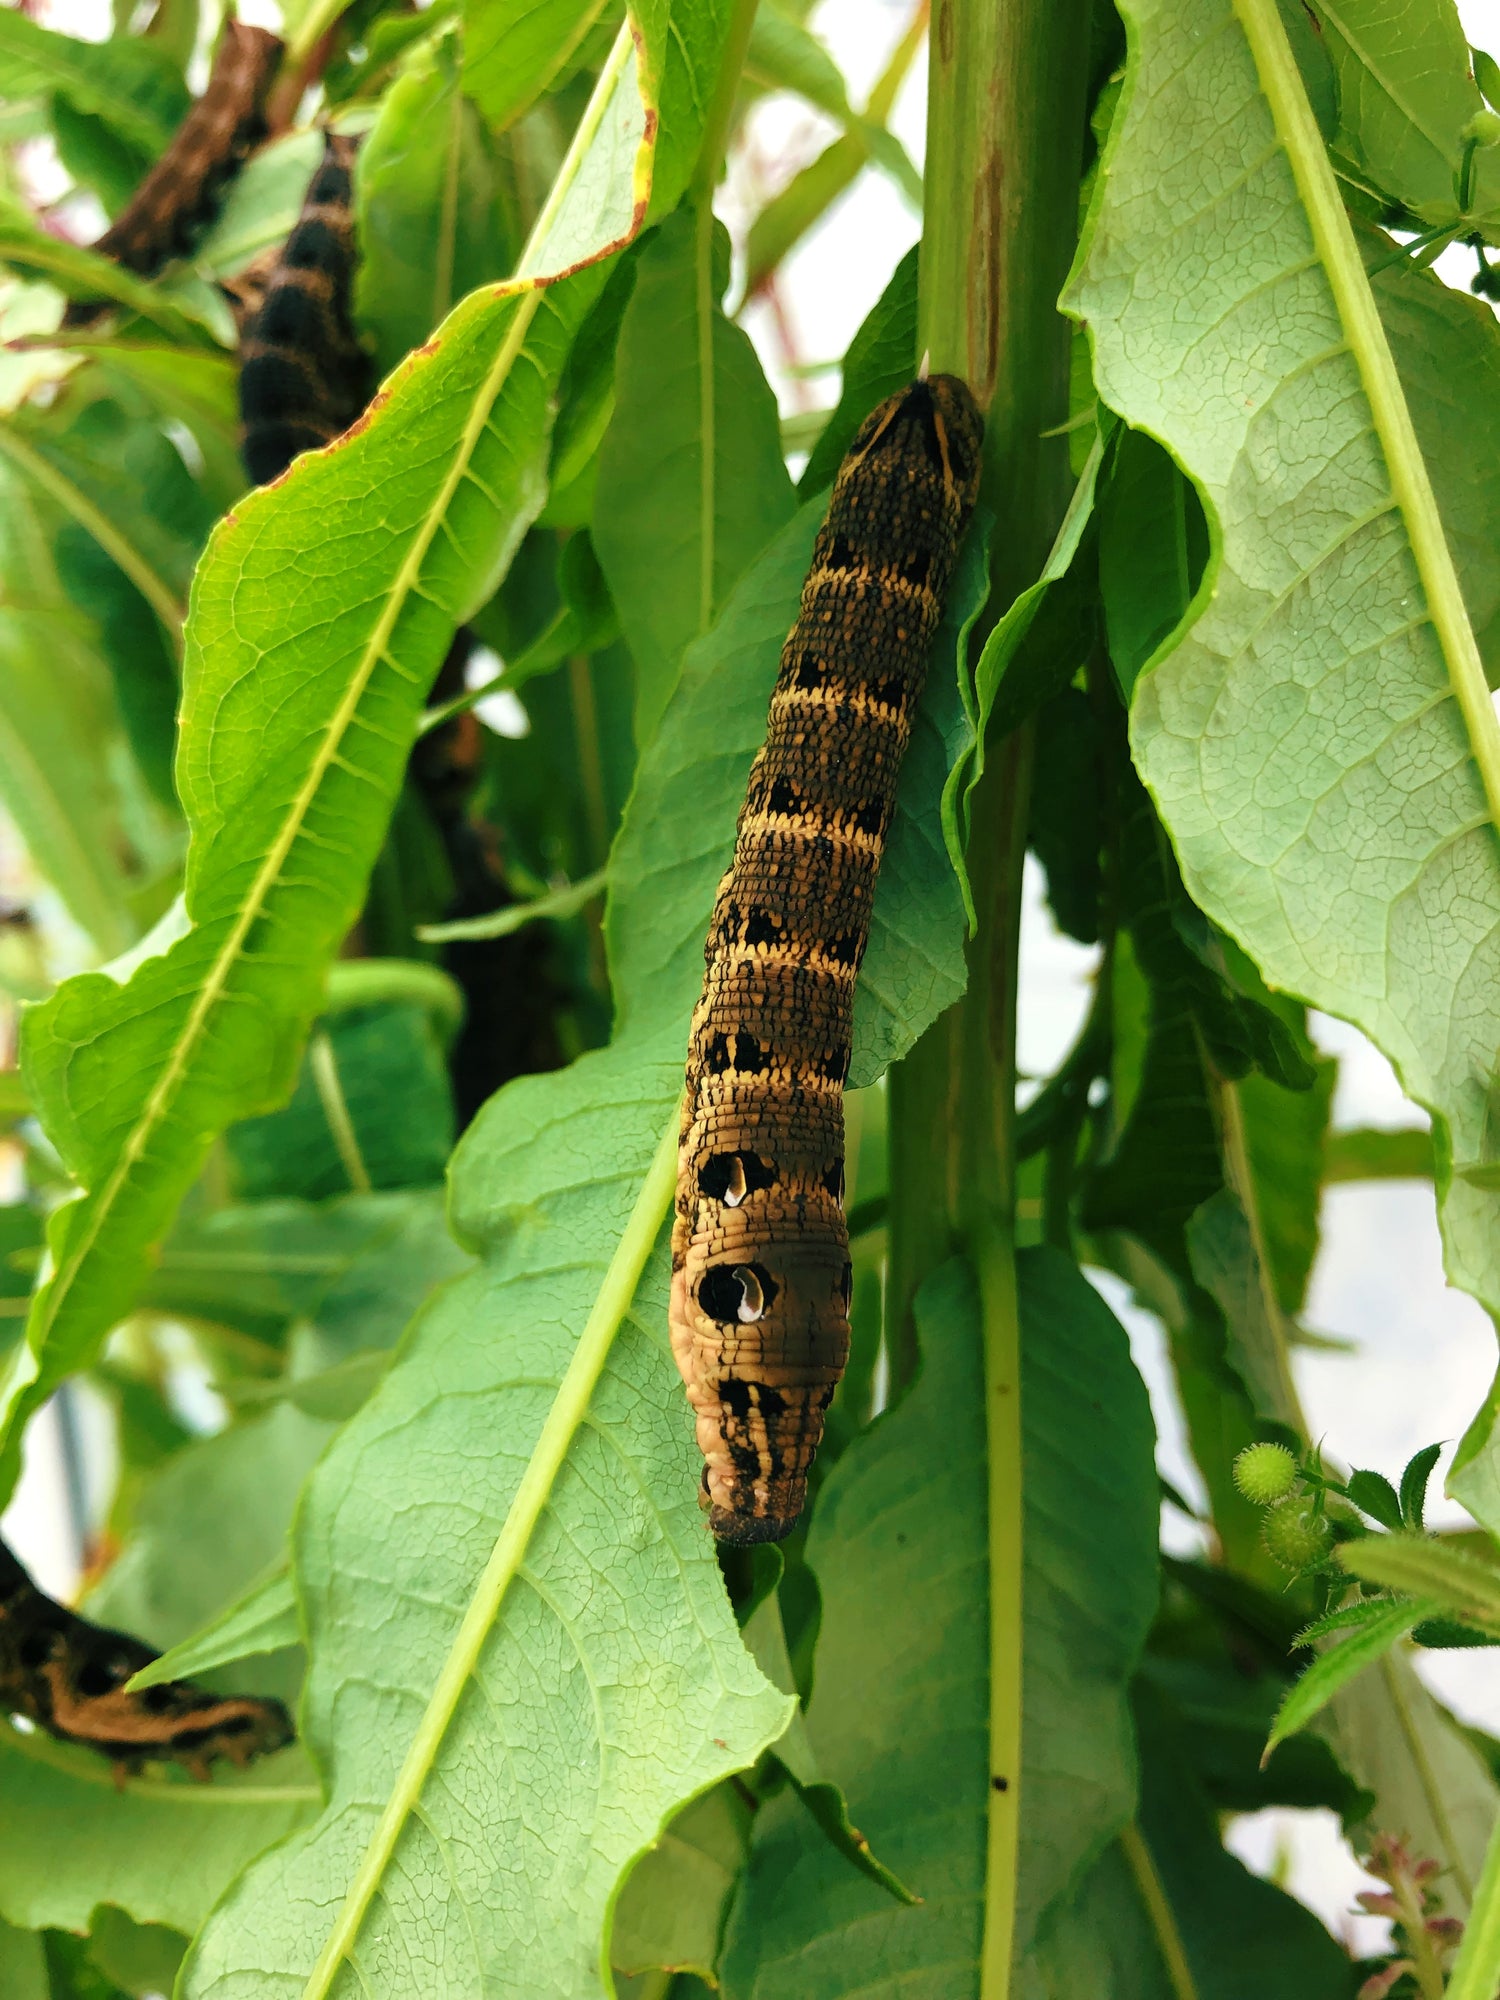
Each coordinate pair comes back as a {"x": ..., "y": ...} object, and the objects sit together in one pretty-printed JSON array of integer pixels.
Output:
[{"x": 1005, "y": 124}]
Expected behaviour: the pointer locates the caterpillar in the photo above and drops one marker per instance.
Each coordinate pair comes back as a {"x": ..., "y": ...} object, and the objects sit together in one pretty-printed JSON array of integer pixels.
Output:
[
  {"x": 68, "y": 1677},
  {"x": 176, "y": 196},
  {"x": 760, "y": 1251},
  {"x": 304, "y": 377}
]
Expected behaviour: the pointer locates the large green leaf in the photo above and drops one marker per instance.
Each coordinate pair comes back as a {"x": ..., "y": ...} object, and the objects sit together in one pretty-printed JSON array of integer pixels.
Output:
[
  {"x": 691, "y": 481},
  {"x": 1320, "y": 741},
  {"x": 426, "y": 217},
  {"x": 299, "y": 709},
  {"x": 599, "y": 1608},
  {"x": 899, "y": 1547},
  {"x": 128, "y": 83},
  {"x": 159, "y": 1849},
  {"x": 514, "y": 50}
]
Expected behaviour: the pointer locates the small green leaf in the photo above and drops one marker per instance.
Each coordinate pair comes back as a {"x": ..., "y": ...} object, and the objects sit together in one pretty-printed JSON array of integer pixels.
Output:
[
  {"x": 1374, "y": 1495},
  {"x": 1414, "y": 1485},
  {"x": 1452, "y": 1579},
  {"x": 691, "y": 482},
  {"x": 128, "y": 83},
  {"x": 262, "y": 1619},
  {"x": 1335, "y": 1668}
]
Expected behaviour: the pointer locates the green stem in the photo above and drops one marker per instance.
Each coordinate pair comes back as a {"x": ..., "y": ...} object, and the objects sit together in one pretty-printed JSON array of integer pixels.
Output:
[
  {"x": 1005, "y": 124},
  {"x": 1476, "y": 1970},
  {"x": 1159, "y": 1914}
]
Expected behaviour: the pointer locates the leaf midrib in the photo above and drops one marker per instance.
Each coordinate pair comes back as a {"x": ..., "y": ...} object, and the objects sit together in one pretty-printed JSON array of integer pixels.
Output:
[
  {"x": 1390, "y": 418},
  {"x": 165, "y": 1089}
]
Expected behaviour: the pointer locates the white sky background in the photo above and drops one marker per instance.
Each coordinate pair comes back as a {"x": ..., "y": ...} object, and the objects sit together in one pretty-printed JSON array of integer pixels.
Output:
[{"x": 1426, "y": 1354}]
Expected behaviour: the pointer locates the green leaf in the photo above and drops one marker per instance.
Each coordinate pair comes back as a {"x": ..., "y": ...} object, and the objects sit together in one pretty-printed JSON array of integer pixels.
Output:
[
  {"x": 514, "y": 50},
  {"x": 1386, "y": 817},
  {"x": 672, "y": 1906},
  {"x": 1422, "y": 1567},
  {"x": 1446, "y": 347},
  {"x": 262, "y": 1619},
  {"x": 135, "y": 1071},
  {"x": 1226, "y": 1262},
  {"x": 23, "y": 1974},
  {"x": 1215, "y": 1930},
  {"x": 128, "y": 83},
  {"x": 55, "y": 726},
  {"x": 1008, "y": 680},
  {"x": 1334, "y": 1669},
  {"x": 1152, "y": 545},
  {"x": 600, "y": 1599},
  {"x": 1405, "y": 95},
  {"x": 1374, "y": 1495},
  {"x": 426, "y": 215},
  {"x": 372, "y": 1108},
  {"x": 898, "y": 1545},
  {"x": 1414, "y": 1485},
  {"x": 882, "y": 358},
  {"x": 143, "y": 1958},
  {"x": 678, "y": 833},
  {"x": 691, "y": 481},
  {"x": 1370, "y": 1153},
  {"x": 161, "y": 1850},
  {"x": 1408, "y": 1752},
  {"x": 84, "y": 274}
]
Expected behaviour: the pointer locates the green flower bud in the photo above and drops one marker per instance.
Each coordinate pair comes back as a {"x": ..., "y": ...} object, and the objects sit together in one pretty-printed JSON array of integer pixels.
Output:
[
  {"x": 1484, "y": 128},
  {"x": 1265, "y": 1472},
  {"x": 1295, "y": 1535}
]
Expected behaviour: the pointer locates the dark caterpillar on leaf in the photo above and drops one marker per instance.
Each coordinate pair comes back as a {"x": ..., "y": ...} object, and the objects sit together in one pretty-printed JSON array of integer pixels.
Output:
[
  {"x": 304, "y": 377},
  {"x": 760, "y": 1251},
  {"x": 68, "y": 1677},
  {"x": 177, "y": 195}
]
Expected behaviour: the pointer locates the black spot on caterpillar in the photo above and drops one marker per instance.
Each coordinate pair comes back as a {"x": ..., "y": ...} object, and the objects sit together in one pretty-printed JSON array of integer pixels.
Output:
[
  {"x": 760, "y": 1251},
  {"x": 304, "y": 377},
  {"x": 178, "y": 194},
  {"x": 68, "y": 1677}
]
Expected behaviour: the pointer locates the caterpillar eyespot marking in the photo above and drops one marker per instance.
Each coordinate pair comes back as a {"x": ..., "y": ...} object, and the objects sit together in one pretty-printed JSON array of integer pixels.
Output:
[
  {"x": 68, "y": 1677},
  {"x": 761, "y": 1277}
]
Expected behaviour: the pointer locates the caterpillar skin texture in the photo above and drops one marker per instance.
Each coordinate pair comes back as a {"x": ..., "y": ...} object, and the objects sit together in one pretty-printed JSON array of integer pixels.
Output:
[
  {"x": 304, "y": 377},
  {"x": 69, "y": 1676},
  {"x": 760, "y": 1250},
  {"x": 227, "y": 121}
]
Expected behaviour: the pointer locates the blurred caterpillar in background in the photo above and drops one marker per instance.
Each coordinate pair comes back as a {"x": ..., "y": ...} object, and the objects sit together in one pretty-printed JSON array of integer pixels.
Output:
[
  {"x": 760, "y": 1250},
  {"x": 69, "y": 1676},
  {"x": 304, "y": 377},
  {"x": 177, "y": 196}
]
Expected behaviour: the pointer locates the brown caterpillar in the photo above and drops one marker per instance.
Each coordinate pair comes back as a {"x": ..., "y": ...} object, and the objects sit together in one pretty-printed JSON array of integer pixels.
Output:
[
  {"x": 69, "y": 1676},
  {"x": 304, "y": 377},
  {"x": 177, "y": 195},
  {"x": 760, "y": 1250}
]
